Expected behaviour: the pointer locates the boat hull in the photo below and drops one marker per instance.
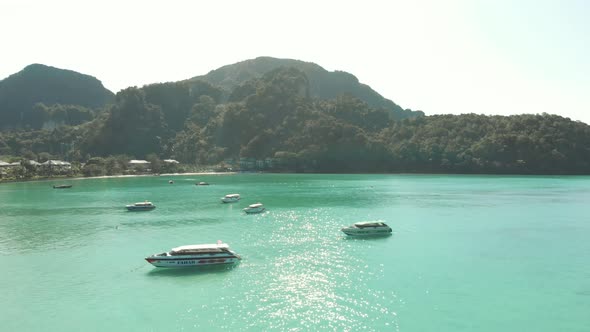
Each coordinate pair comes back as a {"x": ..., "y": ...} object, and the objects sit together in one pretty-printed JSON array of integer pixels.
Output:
[
  {"x": 192, "y": 261},
  {"x": 228, "y": 200},
  {"x": 254, "y": 211},
  {"x": 366, "y": 232},
  {"x": 143, "y": 208}
]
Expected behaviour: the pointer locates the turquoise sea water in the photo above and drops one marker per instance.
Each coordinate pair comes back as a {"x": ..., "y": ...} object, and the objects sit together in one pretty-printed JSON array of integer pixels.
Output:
[{"x": 468, "y": 253}]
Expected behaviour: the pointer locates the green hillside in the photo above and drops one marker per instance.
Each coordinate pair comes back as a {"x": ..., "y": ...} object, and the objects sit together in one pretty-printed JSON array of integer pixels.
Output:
[
  {"x": 322, "y": 83},
  {"x": 20, "y": 92},
  {"x": 274, "y": 122}
]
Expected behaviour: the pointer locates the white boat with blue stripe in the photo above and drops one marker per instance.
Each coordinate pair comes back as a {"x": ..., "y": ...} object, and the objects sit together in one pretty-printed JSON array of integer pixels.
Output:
[{"x": 195, "y": 255}]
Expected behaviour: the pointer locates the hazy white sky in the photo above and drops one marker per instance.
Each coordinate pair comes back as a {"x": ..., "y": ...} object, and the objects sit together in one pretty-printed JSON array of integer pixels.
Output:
[{"x": 439, "y": 56}]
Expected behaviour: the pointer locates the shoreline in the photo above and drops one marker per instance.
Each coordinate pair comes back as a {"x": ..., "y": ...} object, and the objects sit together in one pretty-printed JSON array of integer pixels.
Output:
[
  {"x": 147, "y": 175},
  {"x": 64, "y": 179}
]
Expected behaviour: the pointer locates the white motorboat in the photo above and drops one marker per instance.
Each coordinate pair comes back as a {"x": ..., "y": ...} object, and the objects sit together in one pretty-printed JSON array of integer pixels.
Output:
[
  {"x": 367, "y": 228},
  {"x": 230, "y": 198},
  {"x": 195, "y": 255},
  {"x": 255, "y": 208},
  {"x": 141, "y": 206}
]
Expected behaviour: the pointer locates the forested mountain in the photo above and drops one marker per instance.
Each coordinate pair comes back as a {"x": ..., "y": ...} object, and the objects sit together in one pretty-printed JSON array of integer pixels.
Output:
[
  {"x": 322, "y": 83},
  {"x": 275, "y": 121},
  {"x": 276, "y": 118},
  {"x": 39, "y": 94}
]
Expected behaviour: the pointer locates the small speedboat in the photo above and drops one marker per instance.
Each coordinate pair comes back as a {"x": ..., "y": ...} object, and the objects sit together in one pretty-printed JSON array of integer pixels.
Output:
[
  {"x": 62, "y": 186},
  {"x": 202, "y": 184},
  {"x": 255, "y": 208},
  {"x": 230, "y": 198},
  {"x": 141, "y": 206},
  {"x": 195, "y": 255},
  {"x": 170, "y": 181},
  {"x": 367, "y": 228}
]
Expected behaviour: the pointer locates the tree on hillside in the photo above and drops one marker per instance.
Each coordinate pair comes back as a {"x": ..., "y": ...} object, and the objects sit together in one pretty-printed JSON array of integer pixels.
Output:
[
  {"x": 132, "y": 126},
  {"x": 174, "y": 99}
]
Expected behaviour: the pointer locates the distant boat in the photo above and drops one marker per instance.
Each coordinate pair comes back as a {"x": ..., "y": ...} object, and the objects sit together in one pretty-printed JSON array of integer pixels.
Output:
[
  {"x": 141, "y": 206},
  {"x": 367, "y": 228},
  {"x": 202, "y": 184},
  {"x": 170, "y": 181},
  {"x": 195, "y": 255},
  {"x": 62, "y": 186},
  {"x": 230, "y": 198},
  {"x": 255, "y": 208}
]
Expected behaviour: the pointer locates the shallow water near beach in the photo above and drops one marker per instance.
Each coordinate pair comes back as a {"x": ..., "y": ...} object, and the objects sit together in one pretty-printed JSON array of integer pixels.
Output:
[{"x": 468, "y": 253}]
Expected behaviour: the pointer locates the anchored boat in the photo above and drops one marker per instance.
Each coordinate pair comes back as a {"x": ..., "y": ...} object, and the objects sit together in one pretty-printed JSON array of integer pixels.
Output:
[
  {"x": 141, "y": 206},
  {"x": 195, "y": 255},
  {"x": 62, "y": 186},
  {"x": 230, "y": 198},
  {"x": 255, "y": 208},
  {"x": 367, "y": 228}
]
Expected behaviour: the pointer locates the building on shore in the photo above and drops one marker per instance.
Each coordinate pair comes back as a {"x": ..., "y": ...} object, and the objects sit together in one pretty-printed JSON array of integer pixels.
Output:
[
  {"x": 57, "y": 164},
  {"x": 140, "y": 166}
]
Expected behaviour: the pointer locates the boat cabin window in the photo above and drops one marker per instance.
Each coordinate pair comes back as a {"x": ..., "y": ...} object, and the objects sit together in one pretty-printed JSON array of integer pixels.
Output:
[
  {"x": 374, "y": 224},
  {"x": 196, "y": 251}
]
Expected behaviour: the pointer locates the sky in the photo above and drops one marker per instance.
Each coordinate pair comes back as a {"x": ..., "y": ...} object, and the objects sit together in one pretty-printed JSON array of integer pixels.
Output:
[{"x": 440, "y": 56}]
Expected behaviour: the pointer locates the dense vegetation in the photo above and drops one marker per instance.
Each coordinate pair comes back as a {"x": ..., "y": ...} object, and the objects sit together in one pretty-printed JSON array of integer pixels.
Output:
[
  {"x": 20, "y": 94},
  {"x": 274, "y": 122},
  {"x": 322, "y": 83}
]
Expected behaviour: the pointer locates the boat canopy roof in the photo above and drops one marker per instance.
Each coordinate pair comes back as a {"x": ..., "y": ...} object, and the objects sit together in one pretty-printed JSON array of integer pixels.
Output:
[
  {"x": 138, "y": 162},
  {"x": 146, "y": 203},
  {"x": 201, "y": 247},
  {"x": 370, "y": 224},
  {"x": 257, "y": 205},
  {"x": 232, "y": 195}
]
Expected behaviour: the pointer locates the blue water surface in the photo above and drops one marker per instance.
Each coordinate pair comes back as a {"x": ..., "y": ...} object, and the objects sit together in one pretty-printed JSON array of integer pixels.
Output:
[{"x": 468, "y": 253}]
